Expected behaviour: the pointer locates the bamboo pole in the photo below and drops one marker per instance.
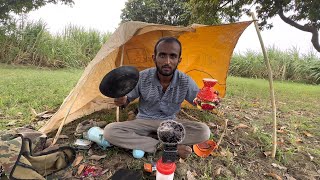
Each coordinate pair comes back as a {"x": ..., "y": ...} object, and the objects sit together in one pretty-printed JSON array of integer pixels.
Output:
[
  {"x": 273, "y": 102},
  {"x": 65, "y": 118},
  {"x": 64, "y": 121},
  {"x": 118, "y": 108}
]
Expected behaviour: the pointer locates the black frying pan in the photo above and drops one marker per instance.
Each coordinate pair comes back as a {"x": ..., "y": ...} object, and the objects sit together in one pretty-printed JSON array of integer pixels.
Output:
[{"x": 119, "y": 81}]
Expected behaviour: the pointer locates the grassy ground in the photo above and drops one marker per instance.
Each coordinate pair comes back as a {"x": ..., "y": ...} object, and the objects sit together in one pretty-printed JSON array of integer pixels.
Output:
[
  {"x": 242, "y": 153},
  {"x": 24, "y": 88}
]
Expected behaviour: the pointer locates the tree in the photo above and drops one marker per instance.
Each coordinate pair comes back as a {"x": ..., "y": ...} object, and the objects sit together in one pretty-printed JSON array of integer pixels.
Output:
[
  {"x": 301, "y": 14},
  {"x": 170, "y": 12},
  {"x": 7, "y": 7}
]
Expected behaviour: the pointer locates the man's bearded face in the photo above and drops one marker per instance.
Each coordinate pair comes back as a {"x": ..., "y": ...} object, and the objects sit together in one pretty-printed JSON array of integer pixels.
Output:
[{"x": 167, "y": 58}]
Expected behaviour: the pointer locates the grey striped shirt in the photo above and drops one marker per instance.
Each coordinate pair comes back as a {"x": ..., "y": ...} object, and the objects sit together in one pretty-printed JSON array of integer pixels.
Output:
[{"x": 156, "y": 104}]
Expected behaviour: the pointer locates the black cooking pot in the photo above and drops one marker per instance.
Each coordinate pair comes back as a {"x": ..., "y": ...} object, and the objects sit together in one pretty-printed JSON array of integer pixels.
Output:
[{"x": 119, "y": 82}]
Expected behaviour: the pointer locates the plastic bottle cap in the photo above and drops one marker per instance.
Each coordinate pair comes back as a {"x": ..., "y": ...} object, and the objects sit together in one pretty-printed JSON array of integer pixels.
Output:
[{"x": 165, "y": 168}]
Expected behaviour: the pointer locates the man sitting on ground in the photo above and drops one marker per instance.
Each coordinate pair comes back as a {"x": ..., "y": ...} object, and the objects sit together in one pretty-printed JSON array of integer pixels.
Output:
[{"x": 160, "y": 90}]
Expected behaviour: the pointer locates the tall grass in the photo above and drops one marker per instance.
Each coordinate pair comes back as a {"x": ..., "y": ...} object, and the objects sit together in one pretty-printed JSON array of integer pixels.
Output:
[
  {"x": 286, "y": 65},
  {"x": 34, "y": 45},
  {"x": 31, "y": 43}
]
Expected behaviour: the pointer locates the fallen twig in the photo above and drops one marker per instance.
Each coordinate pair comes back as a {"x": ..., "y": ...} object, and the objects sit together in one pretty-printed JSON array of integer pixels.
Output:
[
  {"x": 189, "y": 116},
  {"x": 224, "y": 131},
  {"x": 225, "y": 125}
]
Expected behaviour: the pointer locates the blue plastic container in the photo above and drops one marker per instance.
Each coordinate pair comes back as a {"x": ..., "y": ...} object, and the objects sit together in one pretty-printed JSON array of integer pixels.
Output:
[
  {"x": 137, "y": 153},
  {"x": 95, "y": 134}
]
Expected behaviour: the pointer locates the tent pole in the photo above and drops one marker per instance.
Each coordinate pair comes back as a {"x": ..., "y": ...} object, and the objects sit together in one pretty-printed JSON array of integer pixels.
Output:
[
  {"x": 67, "y": 114},
  {"x": 273, "y": 102},
  {"x": 121, "y": 63},
  {"x": 64, "y": 120}
]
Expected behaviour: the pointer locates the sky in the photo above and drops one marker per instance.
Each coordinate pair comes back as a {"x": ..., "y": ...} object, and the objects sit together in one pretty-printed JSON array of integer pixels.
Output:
[{"x": 104, "y": 15}]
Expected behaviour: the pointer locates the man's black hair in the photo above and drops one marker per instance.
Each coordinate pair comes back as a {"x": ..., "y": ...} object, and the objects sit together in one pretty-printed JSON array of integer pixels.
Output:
[{"x": 167, "y": 40}]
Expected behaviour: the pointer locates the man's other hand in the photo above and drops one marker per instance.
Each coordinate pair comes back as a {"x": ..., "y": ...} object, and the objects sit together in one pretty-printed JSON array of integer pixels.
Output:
[{"x": 120, "y": 101}]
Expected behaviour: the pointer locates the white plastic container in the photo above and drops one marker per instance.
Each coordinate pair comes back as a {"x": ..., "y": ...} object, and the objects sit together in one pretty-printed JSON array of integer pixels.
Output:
[{"x": 165, "y": 171}]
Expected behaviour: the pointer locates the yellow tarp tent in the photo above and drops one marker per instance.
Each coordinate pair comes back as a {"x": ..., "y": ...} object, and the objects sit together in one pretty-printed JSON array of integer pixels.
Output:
[{"x": 206, "y": 53}]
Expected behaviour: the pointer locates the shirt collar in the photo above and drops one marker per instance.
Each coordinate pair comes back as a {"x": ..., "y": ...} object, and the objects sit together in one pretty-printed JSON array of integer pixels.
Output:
[{"x": 173, "y": 83}]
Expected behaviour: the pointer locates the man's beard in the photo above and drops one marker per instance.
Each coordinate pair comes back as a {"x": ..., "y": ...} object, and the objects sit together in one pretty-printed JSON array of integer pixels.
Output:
[{"x": 164, "y": 73}]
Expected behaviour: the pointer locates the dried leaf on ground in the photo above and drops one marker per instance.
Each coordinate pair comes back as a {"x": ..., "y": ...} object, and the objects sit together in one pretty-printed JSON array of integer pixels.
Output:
[
  {"x": 248, "y": 118},
  {"x": 80, "y": 169},
  {"x": 278, "y": 166},
  {"x": 267, "y": 153},
  {"x": 181, "y": 160},
  {"x": 240, "y": 126},
  {"x": 298, "y": 140},
  {"x": 45, "y": 116},
  {"x": 223, "y": 152},
  {"x": 217, "y": 172},
  {"x": 77, "y": 160},
  {"x": 282, "y": 129},
  {"x": 273, "y": 175},
  {"x": 96, "y": 157},
  {"x": 190, "y": 176},
  {"x": 307, "y": 134}
]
